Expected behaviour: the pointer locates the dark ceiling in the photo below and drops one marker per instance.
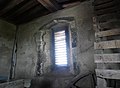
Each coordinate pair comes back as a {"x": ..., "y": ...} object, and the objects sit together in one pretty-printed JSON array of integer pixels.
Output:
[{"x": 22, "y": 11}]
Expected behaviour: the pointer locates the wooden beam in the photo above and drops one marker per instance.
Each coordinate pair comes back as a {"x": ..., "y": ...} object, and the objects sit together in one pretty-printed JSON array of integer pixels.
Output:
[
  {"x": 71, "y": 4},
  {"x": 24, "y": 8},
  {"x": 108, "y": 74},
  {"x": 31, "y": 14},
  {"x": 99, "y": 2},
  {"x": 50, "y": 5},
  {"x": 107, "y": 44},
  {"x": 110, "y": 24},
  {"x": 106, "y": 17},
  {"x": 12, "y": 4},
  {"x": 106, "y": 5},
  {"x": 108, "y": 33},
  {"x": 107, "y": 10},
  {"x": 107, "y": 58}
]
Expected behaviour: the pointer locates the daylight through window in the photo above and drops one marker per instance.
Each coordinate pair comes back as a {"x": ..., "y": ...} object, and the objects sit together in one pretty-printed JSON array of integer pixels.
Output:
[{"x": 60, "y": 48}]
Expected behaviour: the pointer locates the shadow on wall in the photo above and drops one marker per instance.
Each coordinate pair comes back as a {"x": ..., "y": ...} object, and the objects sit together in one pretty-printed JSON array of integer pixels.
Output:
[{"x": 41, "y": 83}]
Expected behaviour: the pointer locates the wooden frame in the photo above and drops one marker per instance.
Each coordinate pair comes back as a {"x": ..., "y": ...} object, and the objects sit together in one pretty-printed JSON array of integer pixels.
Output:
[
  {"x": 109, "y": 74},
  {"x": 107, "y": 58},
  {"x": 107, "y": 44}
]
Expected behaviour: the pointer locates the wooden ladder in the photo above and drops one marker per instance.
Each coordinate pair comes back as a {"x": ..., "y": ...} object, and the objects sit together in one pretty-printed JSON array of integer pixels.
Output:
[{"x": 106, "y": 24}]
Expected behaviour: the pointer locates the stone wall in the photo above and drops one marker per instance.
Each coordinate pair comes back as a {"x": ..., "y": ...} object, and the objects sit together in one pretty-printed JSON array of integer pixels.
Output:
[
  {"x": 27, "y": 53},
  {"x": 7, "y": 34},
  {"x": 27, "y": 50}
]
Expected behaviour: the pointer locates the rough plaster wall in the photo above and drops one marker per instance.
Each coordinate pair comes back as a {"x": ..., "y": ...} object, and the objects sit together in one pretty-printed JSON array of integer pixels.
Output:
[
  {"x": 7, "y": 33},
  {"x": 27, "y": 53}
]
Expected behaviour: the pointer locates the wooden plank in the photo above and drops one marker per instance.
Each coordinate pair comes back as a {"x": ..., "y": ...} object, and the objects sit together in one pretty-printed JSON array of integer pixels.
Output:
[
  {"x": 106, "y": 5},
  {"x": 106, "y": 17},
  {"x": 108, "y": 33},
  {"x": 98, "y": 2},
  {"x": 107, "y": 10},
  {"x": 24, "y": 8},
  {"x": 107, "y": 66},
  {"x": 29, "y": 15},
  {"x": 50, "y": 5},
  {"x": 71, "y": 4},
  {"x": 12, "y": 4},
  {"x": 107, "y": 58},
  {"x": 110, "y": 24},
  {"x": 107, "y": 44},
  {"x": 108, "y": 74}
]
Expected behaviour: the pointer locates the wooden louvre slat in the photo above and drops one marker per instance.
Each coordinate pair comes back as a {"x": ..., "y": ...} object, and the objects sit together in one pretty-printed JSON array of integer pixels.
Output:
[
  {"x": 108, "y": 33},
  {"x": 98, "y": 2},
  {"x": 107, "y": 58},
  {"x": 102, "y": 6},
  {"x": 107, "y": 44},
  {"x": 109, "y": 74}
]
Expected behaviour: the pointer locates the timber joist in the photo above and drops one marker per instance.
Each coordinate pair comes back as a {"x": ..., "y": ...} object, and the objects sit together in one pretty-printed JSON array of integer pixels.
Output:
[
  {"x": 102, "y": 7},
  {"x": 106, "y": 33},
  {"x": 99, "y": 2},
  {"x": 106, "y": 25},
  {"x": 102, "y": 2},
  {"x": 107, "y": 10},
  {"x": 107, "y": 17},
  {"x": 107, "y": 44},
  {"x": 107, "y": 5},
  {"x": 110, "y": 24},
  {"x": 107, "y": 58},
  {"x": 108, "y": 74}
]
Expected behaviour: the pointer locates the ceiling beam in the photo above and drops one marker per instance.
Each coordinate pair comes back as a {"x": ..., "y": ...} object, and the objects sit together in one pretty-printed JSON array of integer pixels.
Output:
[
  {"x": 71, "y": 4},
  {"x": 51, "y": 5},
  {"x": 24, "y": 8},
  {"x": 11, "y": 4},
  {"x": 3, "y": 3},
  {"x": 30, "y": 14}
]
